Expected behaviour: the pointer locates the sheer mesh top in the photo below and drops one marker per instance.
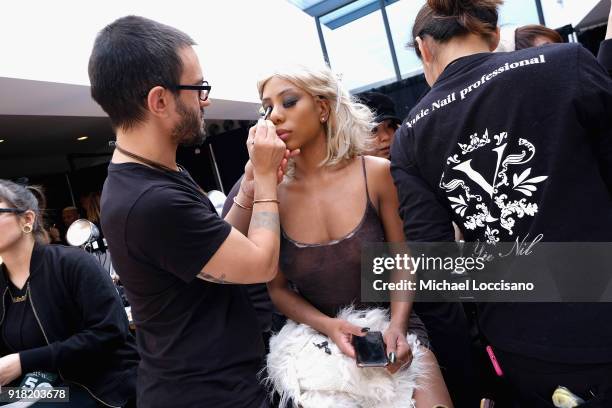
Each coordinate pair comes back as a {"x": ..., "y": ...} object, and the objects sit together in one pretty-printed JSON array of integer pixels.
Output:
[{"x": 328, "y": 275}]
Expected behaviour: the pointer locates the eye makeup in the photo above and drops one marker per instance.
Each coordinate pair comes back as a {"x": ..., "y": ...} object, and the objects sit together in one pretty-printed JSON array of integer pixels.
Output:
[{"x": 289, "y": 102}]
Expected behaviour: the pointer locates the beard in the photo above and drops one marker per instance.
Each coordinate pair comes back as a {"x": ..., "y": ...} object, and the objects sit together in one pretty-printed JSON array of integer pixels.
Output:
[{"x": 190, "y": 131}]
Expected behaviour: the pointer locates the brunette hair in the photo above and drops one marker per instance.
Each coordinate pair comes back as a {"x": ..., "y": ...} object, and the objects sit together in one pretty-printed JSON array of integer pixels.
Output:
[
  {"x": 446, "y": 19},
  {"x": 92, "y": 207},
  {"x": 524, "y": 36},
  {"x": 130, "y": 56}
]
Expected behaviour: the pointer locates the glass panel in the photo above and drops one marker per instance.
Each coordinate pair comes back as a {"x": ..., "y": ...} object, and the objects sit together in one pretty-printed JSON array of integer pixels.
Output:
[
  {"x": 518, "y": 12},
  {"x": 349, "y": 13},
  {"x": 304, "y": 4},
  {"x": 359, "y": 51},
  {"x": 401, "y": 16}
]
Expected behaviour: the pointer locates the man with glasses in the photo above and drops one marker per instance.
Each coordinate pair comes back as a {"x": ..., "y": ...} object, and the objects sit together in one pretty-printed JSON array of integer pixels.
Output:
[{"x": 179, "y": 262}]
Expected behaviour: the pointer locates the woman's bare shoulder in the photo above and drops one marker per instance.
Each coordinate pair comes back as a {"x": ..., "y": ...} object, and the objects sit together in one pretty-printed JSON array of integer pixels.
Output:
[{"x": 377, "y": 166}]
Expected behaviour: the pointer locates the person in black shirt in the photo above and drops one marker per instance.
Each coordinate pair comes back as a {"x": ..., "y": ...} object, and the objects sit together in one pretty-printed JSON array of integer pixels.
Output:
[
  {"x": 60, "y": 313},
  {"x": 514, "y": 147},
  {"x": 180, "y": 263}
]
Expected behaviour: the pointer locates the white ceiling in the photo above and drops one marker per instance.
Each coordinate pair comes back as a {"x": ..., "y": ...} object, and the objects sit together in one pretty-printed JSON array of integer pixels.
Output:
[{"x": 38, "y": 98}]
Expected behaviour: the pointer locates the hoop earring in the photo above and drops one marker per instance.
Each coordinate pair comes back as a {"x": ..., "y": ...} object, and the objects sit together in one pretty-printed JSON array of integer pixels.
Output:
[{"x": 27, "y": 229}]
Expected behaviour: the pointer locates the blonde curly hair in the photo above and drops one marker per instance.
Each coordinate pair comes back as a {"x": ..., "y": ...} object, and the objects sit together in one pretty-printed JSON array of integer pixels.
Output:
[{"x": 350, "y": 123}]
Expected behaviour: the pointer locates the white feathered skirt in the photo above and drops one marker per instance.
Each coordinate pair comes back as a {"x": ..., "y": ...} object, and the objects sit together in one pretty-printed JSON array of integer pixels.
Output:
[{"x": 306, "y": 375}]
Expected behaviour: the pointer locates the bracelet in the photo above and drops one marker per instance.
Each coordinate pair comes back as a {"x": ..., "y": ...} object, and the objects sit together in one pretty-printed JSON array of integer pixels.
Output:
[
  {"x": 266, "y": 200},
  {"x": 244, "y": 207}
]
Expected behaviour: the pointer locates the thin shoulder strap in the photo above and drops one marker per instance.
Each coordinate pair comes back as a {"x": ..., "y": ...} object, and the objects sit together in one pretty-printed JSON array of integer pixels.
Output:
[{"x": 365, "y": 177}]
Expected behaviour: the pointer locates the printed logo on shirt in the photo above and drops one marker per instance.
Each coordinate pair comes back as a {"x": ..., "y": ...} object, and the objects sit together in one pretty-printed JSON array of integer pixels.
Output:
[
  {"x": 464, "y": 93},
  {"x": 488, "y": 199}
]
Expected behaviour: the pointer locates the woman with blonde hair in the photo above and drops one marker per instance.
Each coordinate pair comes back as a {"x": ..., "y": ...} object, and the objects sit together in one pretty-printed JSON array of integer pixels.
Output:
[{"x": 332, "y": 201}]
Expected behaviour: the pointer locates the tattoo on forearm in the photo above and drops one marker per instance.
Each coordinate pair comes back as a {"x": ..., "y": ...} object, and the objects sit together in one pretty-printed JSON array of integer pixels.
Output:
[
  {"x": 210, "y": 278},
  {"x": 265, "y": 219}
]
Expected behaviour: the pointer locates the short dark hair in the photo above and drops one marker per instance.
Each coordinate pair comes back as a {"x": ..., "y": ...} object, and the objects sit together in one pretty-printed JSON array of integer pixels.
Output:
[
  {"x": 446, "y": 19},
  {"x": 130, "y": 56}
]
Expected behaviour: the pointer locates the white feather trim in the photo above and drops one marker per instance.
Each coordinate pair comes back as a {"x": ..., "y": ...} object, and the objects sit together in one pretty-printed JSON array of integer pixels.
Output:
[{"x": 302, "y": 373}]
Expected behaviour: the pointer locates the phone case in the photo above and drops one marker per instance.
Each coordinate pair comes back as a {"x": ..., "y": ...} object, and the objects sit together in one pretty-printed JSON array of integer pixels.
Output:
[{"x": 370, "y": 350}]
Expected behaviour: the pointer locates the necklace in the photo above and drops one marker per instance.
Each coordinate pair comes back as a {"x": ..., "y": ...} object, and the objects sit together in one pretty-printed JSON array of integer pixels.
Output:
[
  {"x": 18, "y": 299},
  {"x": 146, "y": 161}
]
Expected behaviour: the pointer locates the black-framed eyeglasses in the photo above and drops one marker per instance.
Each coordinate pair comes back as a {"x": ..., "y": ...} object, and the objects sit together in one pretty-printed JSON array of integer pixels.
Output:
[
  {"x": 11, "y": 210},
  {"x": 204, "y": 89}
]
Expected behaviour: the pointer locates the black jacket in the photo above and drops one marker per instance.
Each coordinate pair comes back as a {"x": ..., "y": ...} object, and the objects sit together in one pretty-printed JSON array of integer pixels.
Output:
[
  {"x": 517, "y": 147},
  {"x": 83, "y": 322}
]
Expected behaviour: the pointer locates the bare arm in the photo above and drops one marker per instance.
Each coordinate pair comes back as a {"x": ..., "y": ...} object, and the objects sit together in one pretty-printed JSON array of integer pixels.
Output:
[
  {"x": 240, "y": 210},
  {"x": 401, "y": 303},
  {"x": 253, "y": 258},
  {"x": 388, "y": 205},
  {"x": 294, "y": 306},
  {"x": 237, "y": 216}
]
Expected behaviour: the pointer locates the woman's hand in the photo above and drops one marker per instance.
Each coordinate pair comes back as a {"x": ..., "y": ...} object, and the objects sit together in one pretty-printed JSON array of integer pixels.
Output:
[
  {"x": 341, "y": 333},
  {"x": 395, "y": 340},
  {"x": 10, "y": 368}
]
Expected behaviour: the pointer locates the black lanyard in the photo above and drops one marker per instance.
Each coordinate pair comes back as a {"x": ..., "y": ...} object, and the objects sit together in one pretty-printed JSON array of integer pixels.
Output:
[{"x": 146, "y": 161}]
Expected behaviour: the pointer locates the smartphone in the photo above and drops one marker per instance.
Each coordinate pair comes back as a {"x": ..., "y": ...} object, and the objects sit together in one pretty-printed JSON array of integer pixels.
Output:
[{"x": 370, "y": 350}]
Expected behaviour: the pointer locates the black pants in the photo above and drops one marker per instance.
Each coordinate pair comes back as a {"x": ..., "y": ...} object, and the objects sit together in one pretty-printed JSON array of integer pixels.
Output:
[
  {"x": 532, "y": 382},
  {"x": 447, "y": 328}
]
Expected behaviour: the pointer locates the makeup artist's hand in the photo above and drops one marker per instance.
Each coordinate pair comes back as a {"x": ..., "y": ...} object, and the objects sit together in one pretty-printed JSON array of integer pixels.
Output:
[
  {"x": 247, "y": 187},
  {"x": 10, "y": 368},
  {"x": 266, "y": 150}
]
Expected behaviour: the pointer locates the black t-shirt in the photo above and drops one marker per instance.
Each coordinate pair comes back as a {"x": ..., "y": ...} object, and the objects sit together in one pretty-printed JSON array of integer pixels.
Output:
[
  {"x": 512, "y": 146},
  {"x": 199, "y": 341}
]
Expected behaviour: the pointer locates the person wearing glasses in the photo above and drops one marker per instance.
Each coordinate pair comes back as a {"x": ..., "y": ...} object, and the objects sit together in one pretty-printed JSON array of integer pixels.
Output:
[
  {"x": 182, "y": 265},
  {"x": 61, "y": 321}
]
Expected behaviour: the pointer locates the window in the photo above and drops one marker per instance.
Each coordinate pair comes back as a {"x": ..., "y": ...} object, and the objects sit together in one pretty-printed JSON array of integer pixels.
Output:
[{"x": 359, "y": 50}]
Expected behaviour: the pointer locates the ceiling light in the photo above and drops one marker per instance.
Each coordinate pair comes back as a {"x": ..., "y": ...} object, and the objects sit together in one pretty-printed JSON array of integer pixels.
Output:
[
  {"x": 82, "y": 138},
  {"x": 1, "y": 140}
]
